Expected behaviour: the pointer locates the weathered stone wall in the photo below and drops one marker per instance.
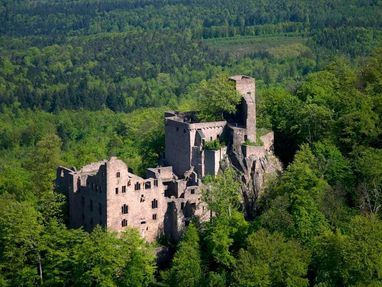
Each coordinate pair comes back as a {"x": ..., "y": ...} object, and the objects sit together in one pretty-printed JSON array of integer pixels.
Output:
[
  {"x": 250, "y": 118},
  {"x": 258, "y": 151},
  {"x": 98, "y": 196},
  {"x": 138, "y": 194},
  {"x": 237, "y": 137},
  {"x": 86, "y": 191},
  {"x": 246, "y": 86},
  {"x": 92, "y": 199},
  {"x": 183, "y": 208},
  {"x": 164, "y": 173},
  {"x": 212, "y": 160},
  {"x": 177, "y": 146},
  {"x": 180, "y": 140},
  {"x": 211, "y": 130},
  {"x": 66, "y": 183}
]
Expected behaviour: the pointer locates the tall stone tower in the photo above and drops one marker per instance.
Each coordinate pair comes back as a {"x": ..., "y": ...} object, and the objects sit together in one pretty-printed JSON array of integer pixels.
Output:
[{"x": 246, "y": 86}]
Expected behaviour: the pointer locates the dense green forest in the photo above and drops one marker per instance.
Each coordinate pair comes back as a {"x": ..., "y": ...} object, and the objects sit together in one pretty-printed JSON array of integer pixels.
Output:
[
  {"x": 82, "y": 80},
  {"x": 123, "y": 55}
]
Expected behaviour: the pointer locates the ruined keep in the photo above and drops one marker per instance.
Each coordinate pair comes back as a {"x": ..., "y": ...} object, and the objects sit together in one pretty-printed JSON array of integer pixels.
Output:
[{"x": 107, "y": 194}]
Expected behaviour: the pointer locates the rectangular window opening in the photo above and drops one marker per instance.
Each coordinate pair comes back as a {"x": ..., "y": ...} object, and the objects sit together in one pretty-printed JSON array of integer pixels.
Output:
[{"x": 125, "y": 209}]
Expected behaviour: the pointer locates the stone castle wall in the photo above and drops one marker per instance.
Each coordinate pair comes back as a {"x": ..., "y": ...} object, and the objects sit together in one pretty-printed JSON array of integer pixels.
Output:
[
  {"x": 177, "y": 146},
  {"x": 181, "y": 138}
]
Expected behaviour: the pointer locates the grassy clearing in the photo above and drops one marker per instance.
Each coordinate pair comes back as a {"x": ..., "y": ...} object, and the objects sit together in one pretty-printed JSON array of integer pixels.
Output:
[{"x": 284, "y": 45}]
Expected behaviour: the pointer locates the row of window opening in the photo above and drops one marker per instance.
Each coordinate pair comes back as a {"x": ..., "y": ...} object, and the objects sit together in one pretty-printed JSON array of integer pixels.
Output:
[
  {"x": 124, "y": 221},
  {"x": 137, "y": 186}
]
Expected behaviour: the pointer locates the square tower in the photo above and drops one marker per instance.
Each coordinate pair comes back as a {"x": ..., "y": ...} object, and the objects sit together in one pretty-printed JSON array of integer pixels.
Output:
[{"x": 246, "y": 86}]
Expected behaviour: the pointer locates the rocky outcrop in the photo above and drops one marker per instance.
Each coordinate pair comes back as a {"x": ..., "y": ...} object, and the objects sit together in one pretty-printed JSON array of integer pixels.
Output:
[{"x": 256, "y": 164}]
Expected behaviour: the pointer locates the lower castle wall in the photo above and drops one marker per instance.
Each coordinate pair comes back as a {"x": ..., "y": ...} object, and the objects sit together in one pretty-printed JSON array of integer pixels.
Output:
[
  {"x": 257, "y": 151},
  {"x": 212, "y": 160}
]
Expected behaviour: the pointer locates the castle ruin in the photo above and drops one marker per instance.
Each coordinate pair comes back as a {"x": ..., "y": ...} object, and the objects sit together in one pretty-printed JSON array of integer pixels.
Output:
[{"x": 105, "y": 193}]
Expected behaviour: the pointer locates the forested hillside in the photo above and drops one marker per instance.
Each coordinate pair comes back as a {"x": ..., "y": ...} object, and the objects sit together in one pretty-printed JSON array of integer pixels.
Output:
[
  {"x": 83, "y": 80},
  {"x": 128, "y": 54}
]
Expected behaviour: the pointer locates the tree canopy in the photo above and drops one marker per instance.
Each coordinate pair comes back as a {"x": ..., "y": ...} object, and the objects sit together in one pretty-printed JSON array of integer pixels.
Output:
[
  {"x": 217, "y": 97},
  {"x": 84, "y": 80}
]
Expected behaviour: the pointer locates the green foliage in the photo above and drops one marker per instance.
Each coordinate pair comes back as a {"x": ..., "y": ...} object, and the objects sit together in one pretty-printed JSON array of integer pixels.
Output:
[
  {"x": 271, "y": 260},
  {"x": 186, "y": 266},
  {"x": 329, "y": 105},
  {"x": 368, "y": 168},
  {"x": 331, "y": 164},
  {"x": 59, "y": 261},
  {"x": 223, "y": 194},
  {"x": 136, "y": 54},
  {"x": 105, "y": 260},
  {"x": 32, "y": 254},
  {"x": 44, "y": 160},
  {"x": 224, "y": 236},
  {"x": 20, "y": 242},
  {"x": 89, "y": 61},
  {"x": 299, "y": 198},
  {"x": 351, "y": 259},
  {"x": 214, "y": 145},
  {"x": 217, "y": 97}
]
